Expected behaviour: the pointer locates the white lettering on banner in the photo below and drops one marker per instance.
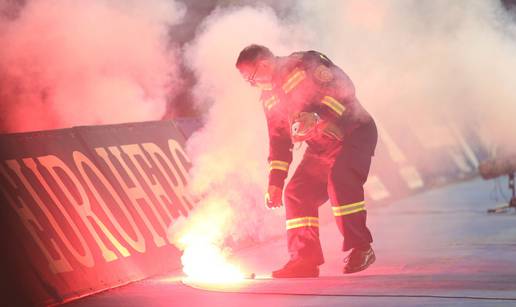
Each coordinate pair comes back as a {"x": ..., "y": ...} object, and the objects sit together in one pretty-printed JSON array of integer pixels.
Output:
[
  {"x": 50, "y": 162},
  {"x": 411, "y": 176},
  {"x": 56, "y": 265},
  {"x": 179, "y": 189},
  {"x": 394, "y": 151},
  {"x": 445, "y": 136},
  {"x": 138, "y": 191},
  {"x": 86, "y": 211},
  {"x": 133, "y": 151},
  {"x": 68, "y": 190},
  {"x": 460, "y": 160},
  {"x": 468, "y": 152},
  {"x": 375, "y": 188},
  {"x": 413, "y": 180},
  {"x": 175, "y": 150},
  {"x": 135, "y": 193},
  {"x": 88, "y": 215}
]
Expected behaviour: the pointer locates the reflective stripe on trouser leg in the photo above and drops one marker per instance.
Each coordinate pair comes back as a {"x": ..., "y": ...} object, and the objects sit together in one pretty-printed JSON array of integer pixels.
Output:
[
  {"x": 351, "y": 220},
  {"x": 306, "y": 221},
  {"x": 305, "y": 192},
  {"x": 347, "y": 197},
  {"x": 303, "y": 238},
  {"x": 348, "y": 209},
  {"x": 345, "y": 186}
]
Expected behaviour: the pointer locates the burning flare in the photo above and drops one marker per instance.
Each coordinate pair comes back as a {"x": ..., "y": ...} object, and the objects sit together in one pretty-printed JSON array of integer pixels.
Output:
[
  {"x": 201, "y": 239},
  {"x": 204, "y": 261}
]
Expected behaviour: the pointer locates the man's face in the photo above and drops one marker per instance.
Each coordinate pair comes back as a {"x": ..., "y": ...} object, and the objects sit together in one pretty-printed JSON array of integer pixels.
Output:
[{"x": 257, "y": 74}]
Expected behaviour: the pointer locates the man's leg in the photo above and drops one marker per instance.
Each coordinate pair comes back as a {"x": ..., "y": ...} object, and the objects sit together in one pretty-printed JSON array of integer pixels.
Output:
[
  {"x": 345, "y": 187},
  {"x": 305, "y": 192}
]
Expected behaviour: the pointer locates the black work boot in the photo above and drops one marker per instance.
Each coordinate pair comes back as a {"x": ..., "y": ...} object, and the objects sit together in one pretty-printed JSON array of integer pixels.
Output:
[
  {"x": 358, "y": 260},
  {"x": 298, "y": 268}
]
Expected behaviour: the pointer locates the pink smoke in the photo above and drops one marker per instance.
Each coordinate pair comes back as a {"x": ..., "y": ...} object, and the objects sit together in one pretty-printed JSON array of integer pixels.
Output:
[{"x": 65, "y": 63}]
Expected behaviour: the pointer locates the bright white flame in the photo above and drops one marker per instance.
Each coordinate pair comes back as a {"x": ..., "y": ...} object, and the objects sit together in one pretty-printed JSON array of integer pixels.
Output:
[
  {"x": 204, "y": 261},
  {"x": 201, "y": 238}
]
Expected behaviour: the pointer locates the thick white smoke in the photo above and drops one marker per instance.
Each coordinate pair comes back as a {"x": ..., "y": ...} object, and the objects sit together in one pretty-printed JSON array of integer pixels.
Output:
[
  {"x": 423, "y": 65},
  {"x": 229, "y": 154},
  {"x": 65, "y": 63}
]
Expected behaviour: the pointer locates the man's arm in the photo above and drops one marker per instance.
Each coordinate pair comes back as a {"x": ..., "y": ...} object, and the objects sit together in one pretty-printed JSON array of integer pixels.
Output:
[{"x": 280, "y": 152}]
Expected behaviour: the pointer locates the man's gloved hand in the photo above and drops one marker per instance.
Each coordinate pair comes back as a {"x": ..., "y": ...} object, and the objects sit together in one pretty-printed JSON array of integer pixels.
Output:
[{"x": 273, "y": 197}]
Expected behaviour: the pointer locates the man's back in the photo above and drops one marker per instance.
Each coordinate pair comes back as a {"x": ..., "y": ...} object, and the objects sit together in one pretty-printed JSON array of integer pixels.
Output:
[{"x": 308, "y": 81}]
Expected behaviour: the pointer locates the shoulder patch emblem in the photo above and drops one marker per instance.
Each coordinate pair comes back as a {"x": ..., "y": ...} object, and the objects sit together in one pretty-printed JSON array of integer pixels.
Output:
[{"x": 323, "y": 74}]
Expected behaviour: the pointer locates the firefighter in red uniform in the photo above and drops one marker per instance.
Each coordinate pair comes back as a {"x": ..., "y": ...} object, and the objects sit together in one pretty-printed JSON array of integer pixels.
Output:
[{"x": 308, "y": 98}]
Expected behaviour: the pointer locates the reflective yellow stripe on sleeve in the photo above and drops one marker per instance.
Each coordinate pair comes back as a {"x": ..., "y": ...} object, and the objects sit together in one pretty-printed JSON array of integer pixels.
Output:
[
  {"x": 348, "y": 209},
  {"x": 334, "y": 104},
  {"x": 270, "y": 102},
  {"x": 276, "y": 164},
  {"x": 293, "y": 80},
  {"x": 307, "y": 221}
]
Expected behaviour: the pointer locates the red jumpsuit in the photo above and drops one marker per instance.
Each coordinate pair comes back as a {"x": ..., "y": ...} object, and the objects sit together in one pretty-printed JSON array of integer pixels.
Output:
[{"x": 334, "y": 168}]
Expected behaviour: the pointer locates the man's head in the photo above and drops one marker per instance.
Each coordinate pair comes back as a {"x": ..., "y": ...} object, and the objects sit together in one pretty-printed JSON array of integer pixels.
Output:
[{"x": 256, "y": 64}]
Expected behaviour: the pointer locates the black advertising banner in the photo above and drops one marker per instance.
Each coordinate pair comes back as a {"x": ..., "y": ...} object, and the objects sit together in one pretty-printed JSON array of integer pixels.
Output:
[{"x": 89, "y": 208}]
